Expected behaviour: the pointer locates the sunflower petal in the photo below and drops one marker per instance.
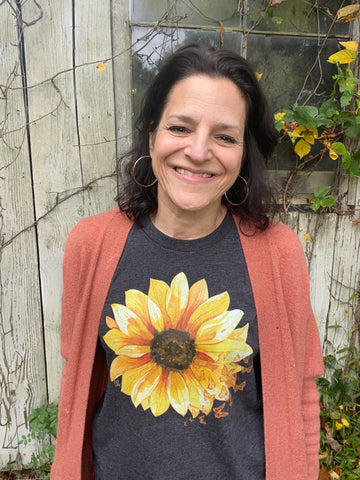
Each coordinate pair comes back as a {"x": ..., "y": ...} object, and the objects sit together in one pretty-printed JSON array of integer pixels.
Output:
[
  {"x": 121, "y": 364},
  {"x": 146, "y": 385},
  {"x": 177, "y": 299},
  {"x": 137, "y": 302},
  {"x": 115, "y": 339},
  {"x": 198, "y": 294},
  {"x": 219, "y": 328},
  {"x": 110, "y": 322},
  {"x": 226, "y": 351},
  {"x": 198, "y": 397},
  {"x": 157, "y": 293},
  {"x": 178, "y": 393},
  {"x": 159, "y": 400},
  {"x": 131, "y": 377},
  {"x": 211, "y": 308},
  {"x": 156, "y": 317},
  {"x": 134, "y": 351},
  {"x": 130, "y": 324}
]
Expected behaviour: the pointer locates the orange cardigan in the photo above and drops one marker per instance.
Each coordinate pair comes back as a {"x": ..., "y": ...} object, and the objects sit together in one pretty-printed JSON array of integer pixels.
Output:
[{"x": 288, "y": 336}]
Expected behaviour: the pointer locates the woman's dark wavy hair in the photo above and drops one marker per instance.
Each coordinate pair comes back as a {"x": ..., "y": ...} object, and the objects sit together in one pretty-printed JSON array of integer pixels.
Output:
[{"x": 260, "y": 137}]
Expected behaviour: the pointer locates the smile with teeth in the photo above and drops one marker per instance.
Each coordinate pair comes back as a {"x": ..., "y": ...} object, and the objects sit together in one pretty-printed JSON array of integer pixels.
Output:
[{"x": 192, "y": 174}]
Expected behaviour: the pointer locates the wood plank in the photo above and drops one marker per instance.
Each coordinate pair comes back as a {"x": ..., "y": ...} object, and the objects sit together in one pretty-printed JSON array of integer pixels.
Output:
[
  {"x": 22, "y": 361},
  {"x": 317, "y": 235},
  {"x": 345, "y": 281},
  {"x": 121, "y": 41},
  {"x": 95, "y": 100}
]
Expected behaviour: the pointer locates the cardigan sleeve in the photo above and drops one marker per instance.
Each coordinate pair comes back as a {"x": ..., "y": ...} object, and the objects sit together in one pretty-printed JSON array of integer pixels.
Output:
[{"x": 306, "y": 343}]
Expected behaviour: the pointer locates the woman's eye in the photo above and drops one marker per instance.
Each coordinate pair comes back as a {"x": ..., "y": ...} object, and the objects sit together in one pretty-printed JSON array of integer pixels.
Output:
[
  {"x": 226, "y": 139},
  {"x": 178, "y": 129}
]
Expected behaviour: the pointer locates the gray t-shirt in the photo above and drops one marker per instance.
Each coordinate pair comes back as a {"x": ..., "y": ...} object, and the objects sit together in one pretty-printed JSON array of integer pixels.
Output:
[{"x": 183, "y": 399}]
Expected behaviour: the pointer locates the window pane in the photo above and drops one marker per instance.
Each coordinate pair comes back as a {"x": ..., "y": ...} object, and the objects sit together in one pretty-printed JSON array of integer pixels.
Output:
[
  {"x": 187, "y": 12},
  {"x": 297, "y": 16}
]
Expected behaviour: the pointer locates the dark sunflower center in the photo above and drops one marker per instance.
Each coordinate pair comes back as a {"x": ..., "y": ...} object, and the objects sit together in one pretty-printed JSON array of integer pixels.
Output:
[{"x": 173, "y": 349}]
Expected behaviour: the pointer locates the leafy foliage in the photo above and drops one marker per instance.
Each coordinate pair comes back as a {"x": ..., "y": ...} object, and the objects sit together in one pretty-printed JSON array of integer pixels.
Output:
[
  {"x": 328, "y": 125},
  {"x": 43, "y": 422},
  {"x": 340, "y": 416}
]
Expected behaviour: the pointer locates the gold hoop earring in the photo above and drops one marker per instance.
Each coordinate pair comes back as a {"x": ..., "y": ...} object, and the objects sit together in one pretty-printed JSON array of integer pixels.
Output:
[
  {"x": 133, "y": 173},
  {"x": 246, "y": 194}
]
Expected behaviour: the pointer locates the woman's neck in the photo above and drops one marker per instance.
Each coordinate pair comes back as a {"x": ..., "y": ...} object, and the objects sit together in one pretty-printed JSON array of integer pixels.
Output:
[{"x": 188, "y": 225}]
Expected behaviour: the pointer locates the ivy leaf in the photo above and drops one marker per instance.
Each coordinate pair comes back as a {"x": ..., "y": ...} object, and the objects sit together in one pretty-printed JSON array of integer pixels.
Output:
[
  {"x": 305, "y": 115},
  {"x": 354, "y": 168},
  {"x": 353, "y": 130},
  {"x": 327, "y": 201},
  {"x": 346, "y": 98},
  {"x": 329, "y": 108},
  {"x": 315, "y": 204},
  {"x": 302, "y": 148},
  {"x": 344, "y": 56},
  {"x": 339, "y": 148},
  {"x": 321, "y": 191},
  {"x": 346, "y": 162}
]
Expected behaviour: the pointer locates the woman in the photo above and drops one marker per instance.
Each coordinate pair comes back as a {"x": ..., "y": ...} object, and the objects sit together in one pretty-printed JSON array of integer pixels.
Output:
[{"x": 171, "y": 301}]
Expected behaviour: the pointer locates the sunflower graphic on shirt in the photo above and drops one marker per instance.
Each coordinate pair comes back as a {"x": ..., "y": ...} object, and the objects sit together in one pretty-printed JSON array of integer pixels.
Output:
[{"x": 176, "y": 346}]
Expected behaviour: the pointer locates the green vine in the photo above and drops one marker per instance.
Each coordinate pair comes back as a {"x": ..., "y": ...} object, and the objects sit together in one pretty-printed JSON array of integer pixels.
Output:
[{"x": 317, "y": 131}]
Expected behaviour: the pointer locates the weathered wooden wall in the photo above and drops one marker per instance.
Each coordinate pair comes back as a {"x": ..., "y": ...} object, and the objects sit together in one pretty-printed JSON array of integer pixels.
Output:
[
  {"x": 58, "y": 152},
  {"x": 62, "y": 122}
]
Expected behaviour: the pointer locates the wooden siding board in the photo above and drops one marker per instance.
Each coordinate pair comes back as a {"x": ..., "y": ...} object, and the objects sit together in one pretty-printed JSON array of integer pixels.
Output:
[
  {"x": 345, "y": 280},
  {"x": 317, "y": 235},
  {"x": 22, "y": 363},
  {"x": 121, "y": 41},
  {"x": 95, "y": 101}
]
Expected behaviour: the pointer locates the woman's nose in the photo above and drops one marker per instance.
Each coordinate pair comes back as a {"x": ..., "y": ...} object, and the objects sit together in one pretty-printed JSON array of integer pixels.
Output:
[{"x": 198, "y": 149}]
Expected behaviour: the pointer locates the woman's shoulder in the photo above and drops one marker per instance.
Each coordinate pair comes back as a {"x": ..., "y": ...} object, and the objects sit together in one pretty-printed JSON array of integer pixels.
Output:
[
  {"x": 283, "y": 238},
  {"x": 91, "y": 228}
]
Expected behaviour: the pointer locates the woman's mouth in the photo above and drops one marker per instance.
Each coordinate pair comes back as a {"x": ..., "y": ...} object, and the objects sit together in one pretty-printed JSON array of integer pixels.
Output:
[{"x": 182, "y": 171}]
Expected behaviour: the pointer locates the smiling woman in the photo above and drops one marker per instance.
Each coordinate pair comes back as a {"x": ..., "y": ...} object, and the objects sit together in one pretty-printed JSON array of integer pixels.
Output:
[{"x": 190, "y": 344}]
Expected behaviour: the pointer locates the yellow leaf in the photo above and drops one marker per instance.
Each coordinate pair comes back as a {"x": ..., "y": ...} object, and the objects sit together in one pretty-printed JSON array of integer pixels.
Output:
[
  {"x": 299, "y": 131},
  {"x": 302, "y": 148},
  {"x": 350, "y": 45},
  {"x": 346, "y": 14},
  {"x": 258, "y": 76},
  {"x": 278, "y": 116},
  {"x": 101, "y": 66},
  {"x": 344, "y": 56},
  {"x": 344, "y": 422},
  {"x": 338, "y": 425},
  {"x": 310, "y": 135},
  {"x": 307, "y": 238}
]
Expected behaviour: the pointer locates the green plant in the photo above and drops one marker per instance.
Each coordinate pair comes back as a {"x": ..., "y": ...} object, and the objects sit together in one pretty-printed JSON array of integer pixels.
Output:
[
  {"x": 43, "y": 427},
  {"x": 340, "y": 415},
  {"x": 316, "y": 131}
]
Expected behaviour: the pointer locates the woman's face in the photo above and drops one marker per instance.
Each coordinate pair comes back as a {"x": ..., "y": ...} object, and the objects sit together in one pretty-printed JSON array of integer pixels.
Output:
[{"x": 198, "y": 146}]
